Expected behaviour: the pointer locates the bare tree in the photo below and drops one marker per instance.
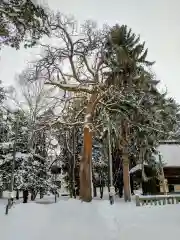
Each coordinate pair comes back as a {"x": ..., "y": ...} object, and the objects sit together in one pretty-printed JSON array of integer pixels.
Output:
[
  {"x": 75, "y": 64},
  {"x": 22, "y": 21},
  {"x": 36, "y": 99}
]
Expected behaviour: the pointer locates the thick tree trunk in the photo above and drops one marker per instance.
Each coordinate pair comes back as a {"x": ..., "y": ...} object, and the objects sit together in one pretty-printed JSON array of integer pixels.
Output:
[
  {"x": 126, "y": 177},
  {"x": 85, "y": 167},
  {"x": 86, "y": 159}
]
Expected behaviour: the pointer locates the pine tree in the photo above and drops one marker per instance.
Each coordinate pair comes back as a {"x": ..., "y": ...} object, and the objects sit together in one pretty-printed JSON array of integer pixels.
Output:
[{"x": 136, "y": 107}]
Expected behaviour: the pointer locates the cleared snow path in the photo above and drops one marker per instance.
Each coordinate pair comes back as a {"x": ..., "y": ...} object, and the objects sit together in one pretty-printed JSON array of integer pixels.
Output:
[{"x": 73, "y": 220}]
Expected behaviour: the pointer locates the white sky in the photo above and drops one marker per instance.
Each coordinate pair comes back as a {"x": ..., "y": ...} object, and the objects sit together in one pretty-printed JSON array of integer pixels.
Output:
[{"x": 156, "y": 21}]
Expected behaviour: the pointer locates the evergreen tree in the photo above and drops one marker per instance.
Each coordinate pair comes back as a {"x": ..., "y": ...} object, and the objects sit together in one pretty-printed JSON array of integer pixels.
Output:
[
  {"x": 31, "y": 168},
  {"x": 33, "y": 174},
  {"x": 135, "y": 106},
  {"x": 5, "y": 144},
  {"x": 13, "y": 121},
  {"x": 6, "y": 148}
]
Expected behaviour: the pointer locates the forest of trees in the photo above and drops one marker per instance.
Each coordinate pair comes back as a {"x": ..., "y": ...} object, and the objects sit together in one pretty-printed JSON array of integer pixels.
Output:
[
  {"x": 31, "y": 147},
  {"x": 88, "y": 82}
]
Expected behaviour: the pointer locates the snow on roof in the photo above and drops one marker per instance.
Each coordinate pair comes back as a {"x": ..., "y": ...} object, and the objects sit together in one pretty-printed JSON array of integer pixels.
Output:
[
  {"x": 170, "y": 154},
  {"x": 169, "y": 142}
]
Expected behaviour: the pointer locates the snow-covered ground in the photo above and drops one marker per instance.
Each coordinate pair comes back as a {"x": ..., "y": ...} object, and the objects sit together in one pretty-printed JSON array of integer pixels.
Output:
[{"x": 73, "y": 220}]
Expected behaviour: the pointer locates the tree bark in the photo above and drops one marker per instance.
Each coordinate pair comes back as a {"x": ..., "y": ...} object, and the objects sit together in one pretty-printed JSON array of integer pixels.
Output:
[
  {"x": 1, "y": 193},
  {"x": 163, "y": 180},
  {"x": 17, "y": 194},
  {"x": 74, "y": 164},
  {"x": 94, "y": 191},
  {"x": 85, "y": 167},
  {"x": 25, "y": 196},
  {"x": 41, "y": 194},
  {"x": 86, "y": 159},
  {"x": 126, "y": 177},
  {"x": 32, "y": 195}
]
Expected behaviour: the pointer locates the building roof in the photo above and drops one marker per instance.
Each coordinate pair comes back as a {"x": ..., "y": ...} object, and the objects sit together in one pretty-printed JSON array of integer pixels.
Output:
[
  {"x": 169, "y": 142},
  {"x": 170, "y": 154}
]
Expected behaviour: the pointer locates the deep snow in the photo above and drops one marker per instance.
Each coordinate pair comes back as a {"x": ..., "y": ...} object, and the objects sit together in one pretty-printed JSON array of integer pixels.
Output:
[{"x": 71, "y": 219}]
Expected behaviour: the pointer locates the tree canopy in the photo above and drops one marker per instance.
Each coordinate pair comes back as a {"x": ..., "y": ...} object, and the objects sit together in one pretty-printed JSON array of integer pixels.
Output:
[
  {"x": 91, "y": 82},
  {"x": 22, "y": 22}
]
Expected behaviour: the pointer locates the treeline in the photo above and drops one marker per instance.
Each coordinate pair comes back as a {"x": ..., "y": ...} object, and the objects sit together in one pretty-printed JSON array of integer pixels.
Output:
[{"x": 106, "y": 91}]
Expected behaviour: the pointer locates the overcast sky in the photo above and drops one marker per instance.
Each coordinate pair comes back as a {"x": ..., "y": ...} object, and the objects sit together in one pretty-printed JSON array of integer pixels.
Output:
[{"x": 156, "y": 21}]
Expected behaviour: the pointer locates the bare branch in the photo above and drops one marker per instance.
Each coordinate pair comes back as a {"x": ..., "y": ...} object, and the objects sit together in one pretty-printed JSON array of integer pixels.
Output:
[{"x": 73, "y": 87}]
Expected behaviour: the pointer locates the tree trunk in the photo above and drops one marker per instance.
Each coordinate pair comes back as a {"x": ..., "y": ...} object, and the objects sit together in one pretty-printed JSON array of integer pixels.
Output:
[
  {"x": 126, "y": 177},
  {"x": 1, "y": 193},
  {"x": 94, "y": 184},
  {"x": 94, "y": 191},
  {"x": 41, "y": 194},
  {"x": 85, "y": 167},
  {"x": 33, "y": 195},
  {"x": 17, "y": 194},
  {"x": 101, "y": 189},
  {"x": 74, "y": 164},
  {"x": 25, "y": 196},
  {"x": 163, "y": 180},
  {"x": 86, "y": 159},
  {"x": 71, "y": 186}
]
